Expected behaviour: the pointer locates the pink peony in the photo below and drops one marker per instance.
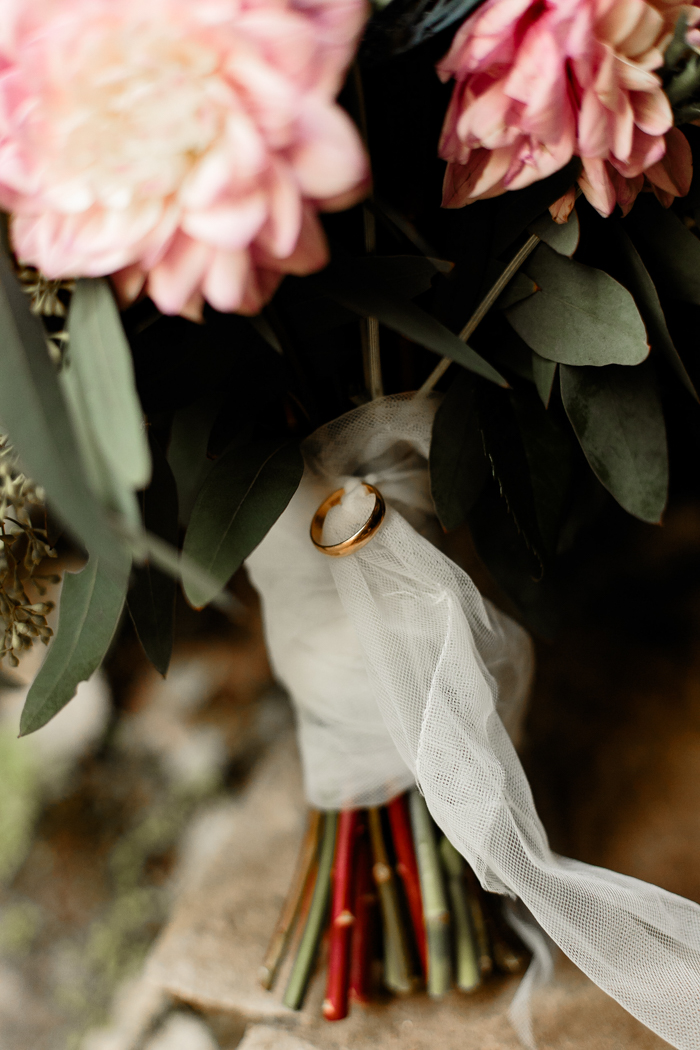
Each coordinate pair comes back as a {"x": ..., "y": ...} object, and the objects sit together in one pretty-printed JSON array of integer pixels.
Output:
[
  {"x": 182, "y": 145},
  {"x": 539, "y": 81}
]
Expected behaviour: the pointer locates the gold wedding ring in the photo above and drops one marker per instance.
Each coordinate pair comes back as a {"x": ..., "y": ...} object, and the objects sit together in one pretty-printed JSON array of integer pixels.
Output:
[{"x": 361, "y": 537}]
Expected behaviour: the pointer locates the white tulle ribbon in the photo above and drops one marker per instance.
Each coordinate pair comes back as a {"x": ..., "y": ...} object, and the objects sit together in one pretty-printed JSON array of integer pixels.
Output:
[{"x": 400, "y": 671}]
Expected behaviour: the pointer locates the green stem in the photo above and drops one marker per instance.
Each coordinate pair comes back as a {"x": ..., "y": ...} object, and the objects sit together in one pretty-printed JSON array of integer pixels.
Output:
[
  {"x": 397, "y": 971},
  {"x": 468, "y": 976},
  {"x": 292, "y": 906},
  {"x": 303, "y": 964},
  {"x": 481, "y": 933},
  {"x": 435, "y": 909}
]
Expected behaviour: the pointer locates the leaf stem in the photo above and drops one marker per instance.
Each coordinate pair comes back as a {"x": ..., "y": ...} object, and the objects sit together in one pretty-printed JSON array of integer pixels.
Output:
[
  {"x": 397, "y": 970},
  {"x": 481, "y": 310},
  {"x": 468, "y": 974},
  {"x": 292, "y": 905},
  {"x": 365, "y": 910},
  {"x": 407, "y": 868},
  {"x": 479, "y": 926},
  {"x": 303, "y": 964},
  {"x": 335, "y": 1004},
  {"x": 437, "y": 916}
]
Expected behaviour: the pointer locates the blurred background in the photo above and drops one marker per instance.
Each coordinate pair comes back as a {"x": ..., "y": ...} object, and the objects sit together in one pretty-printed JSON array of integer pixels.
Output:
[{"x": 103, "y": 811}]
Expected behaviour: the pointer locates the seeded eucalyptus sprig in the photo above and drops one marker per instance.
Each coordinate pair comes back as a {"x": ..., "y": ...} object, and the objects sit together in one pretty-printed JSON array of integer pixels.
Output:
[
  {"x": 23, "y": 548},
  {"x": 681, "y": 75},
  {"x": 48, "y": 299}
]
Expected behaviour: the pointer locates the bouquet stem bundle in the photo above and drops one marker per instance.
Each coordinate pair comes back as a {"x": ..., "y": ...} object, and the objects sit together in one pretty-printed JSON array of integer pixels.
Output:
[{"x": 390, "y": 903}]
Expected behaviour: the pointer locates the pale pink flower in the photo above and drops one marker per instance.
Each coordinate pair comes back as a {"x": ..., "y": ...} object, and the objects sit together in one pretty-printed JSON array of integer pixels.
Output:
[
  {"x": 185, "y": 144},
  {"x": 541, "y": 81}
]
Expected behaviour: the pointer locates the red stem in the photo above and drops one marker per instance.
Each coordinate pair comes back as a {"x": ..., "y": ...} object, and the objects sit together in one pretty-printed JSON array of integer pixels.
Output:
[
  {"x": 365, "y": 908},
  {"x": 407, "y": 868},
  {"x": 335, "y": 1005}
]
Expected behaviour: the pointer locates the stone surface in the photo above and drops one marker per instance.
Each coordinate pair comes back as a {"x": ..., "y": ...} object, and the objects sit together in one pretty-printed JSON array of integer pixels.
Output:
[
  {"x": 137, "y": 1007},
  {"x": 212, "y": 949},
  {"x": 210, "y": 953},
  {"x": 264, "y": 1037},
  {"x": 182, "y": 1032}
]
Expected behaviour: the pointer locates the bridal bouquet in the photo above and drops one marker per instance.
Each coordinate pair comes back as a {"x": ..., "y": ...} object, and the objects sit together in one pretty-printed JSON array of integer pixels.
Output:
[{"x": 308, "y": 284}]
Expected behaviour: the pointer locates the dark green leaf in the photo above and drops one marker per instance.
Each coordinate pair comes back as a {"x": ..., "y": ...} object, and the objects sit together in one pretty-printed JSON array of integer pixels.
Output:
[
  {"x": 617, "y": 417},
  {"x": 151, "y": 597},
  {"x": 403, "y": 24},
  {"x": 500, "y": 547},
  {"x": 516, "y": 210},
  {"x": 187, "y": 451},
  {"x": 543, "y": 373},
  {"x": 91, "y": 606},
  {"x": 505, "y": 450},
  {"x": 100, "y": 357},
  {"x": 458, "y": 465},
  {"x": 671, "y": 252},
  {"x": 357, "y": 289},
  {"x": 34, "y": 414},
  {"x": 549, "y": 458},
  {"x": 636, "y": 278},
  {"x": 241, "y": 499},
  {"x": 409, "y": 275},
  {"x": 581, "y": 316},
  {"x": 563, "y": 238},
  {"x": 519, "y": 288}
]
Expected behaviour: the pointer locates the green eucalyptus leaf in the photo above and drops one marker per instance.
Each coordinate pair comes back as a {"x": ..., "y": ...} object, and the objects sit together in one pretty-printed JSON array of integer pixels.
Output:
[
  {"x": 506, "y": 452},
  {"x": 410, "y": 275},
  {"x": 549, "y": 458},
  {"x": 100, "y": 360},
  {"x": 151, "y": 597},
  {"x": 241, "y": 499},
  {"x": 562, "y": 237},
  {"x": 670, "y": 251},
  {"x": 580, "y": 316},
  {"x": 458, "y": 466},
  {"x": 617, "y": 417},
  {"x": 90, "y": 609},
  {"x": 520, "y": 287},
  {"x": 187, "y": 451},
  {"x": 352, "y": 285},
  {"x": 637, "y": 279},
  {"x": 500, "y": 546},
  {"x": 543, "y": 373},
  {"x": 33, "y": 412}
]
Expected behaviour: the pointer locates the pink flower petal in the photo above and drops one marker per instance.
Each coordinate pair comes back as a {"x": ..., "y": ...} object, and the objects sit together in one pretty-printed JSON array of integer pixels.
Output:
[
  {"x": 173, "y": 281},
  {"x": 224, "y": 281},
  {"x": 674, "y": 172},
  {"x": 229, "y": 226},
  {"x": 598, "y": 189}
]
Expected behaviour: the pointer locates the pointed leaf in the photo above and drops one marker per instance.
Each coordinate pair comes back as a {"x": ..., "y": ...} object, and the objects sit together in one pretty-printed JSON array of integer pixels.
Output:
[
  {"x": 410, "y": 275},
  {"x": 91, "y": 606},
  {"x": 637, "y": 279},
  {"x": 562, "y": 237},
  {"x": 458, "y": 465},
  {"x": 548, "y": 452},
  {"x": 616, "y": 415},
  {"x": 100, "y": 359},
  {"x": 505, "y": 449},
  {"x": 543, "y": 373},
  {"x": 34, "y": 414},
  {"x": 581, "y": 316},
  {"x": 241, "y": 499},
  {"x": 357, "y": 289},
  {"x": 151, "y": 597},
  {"x": 519, "y": 288},
  {"x": 670, "y": 251},
  {"x": 187, "y": 451}
]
